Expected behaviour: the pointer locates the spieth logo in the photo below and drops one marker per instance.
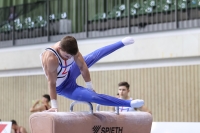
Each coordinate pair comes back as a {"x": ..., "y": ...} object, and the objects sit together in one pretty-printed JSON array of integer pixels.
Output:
[
  {"x": 99, "y": 129},
  {"x": 96, "y": 129}
]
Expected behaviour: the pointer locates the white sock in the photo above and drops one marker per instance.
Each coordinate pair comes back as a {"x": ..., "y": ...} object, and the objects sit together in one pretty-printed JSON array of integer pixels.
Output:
[
  {"x": 127, "y": 41},
  {"x": 137, "y": 103}
]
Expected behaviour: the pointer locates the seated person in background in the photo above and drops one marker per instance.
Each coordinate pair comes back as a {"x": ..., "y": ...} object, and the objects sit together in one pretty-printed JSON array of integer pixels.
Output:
[
  {"x": 43, "y": 106},
  {"x": 123, "y": 91},
  {"x": 16, "y": 128}
]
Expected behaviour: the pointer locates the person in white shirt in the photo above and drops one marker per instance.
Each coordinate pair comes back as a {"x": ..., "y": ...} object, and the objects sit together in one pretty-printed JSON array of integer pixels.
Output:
[{"x": 123, "y": 91}]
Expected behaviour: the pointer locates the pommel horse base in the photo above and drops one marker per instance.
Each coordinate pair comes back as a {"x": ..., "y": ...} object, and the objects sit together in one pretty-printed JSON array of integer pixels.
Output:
[{"x": 89, "y": 122}]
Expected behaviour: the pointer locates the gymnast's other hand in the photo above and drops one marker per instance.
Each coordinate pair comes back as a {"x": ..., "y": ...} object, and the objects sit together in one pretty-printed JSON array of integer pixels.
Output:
[
  {"x": 51, "y": 110},
  {"x": 90, "y": 86}
]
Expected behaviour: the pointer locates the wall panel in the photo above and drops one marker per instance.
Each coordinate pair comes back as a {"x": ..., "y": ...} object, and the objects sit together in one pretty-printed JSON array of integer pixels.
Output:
[{"x": 172, "y": 93}]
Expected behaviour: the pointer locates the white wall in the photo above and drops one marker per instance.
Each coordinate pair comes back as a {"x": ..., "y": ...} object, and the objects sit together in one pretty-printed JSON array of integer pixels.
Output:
[
  {"x": 182, "y": 43},
  {"x": 175, "y": 127}
]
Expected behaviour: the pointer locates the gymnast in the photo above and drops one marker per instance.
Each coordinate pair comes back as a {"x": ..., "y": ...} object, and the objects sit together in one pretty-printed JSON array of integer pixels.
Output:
[{"x": 63, "y": 63}]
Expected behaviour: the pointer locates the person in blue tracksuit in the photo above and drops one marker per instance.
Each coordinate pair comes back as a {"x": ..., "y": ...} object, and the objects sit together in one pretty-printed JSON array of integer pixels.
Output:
[{"x": 63, "y": 63}]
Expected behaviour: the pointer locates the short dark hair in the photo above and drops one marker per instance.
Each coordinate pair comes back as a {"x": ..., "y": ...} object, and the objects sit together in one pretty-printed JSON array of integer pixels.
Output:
[
  {"x": 69, "y": 44},
  {"x": 47, "y": 97},
  {"x": 124, "y": 83},
  {"x": 14, "y": 122}
]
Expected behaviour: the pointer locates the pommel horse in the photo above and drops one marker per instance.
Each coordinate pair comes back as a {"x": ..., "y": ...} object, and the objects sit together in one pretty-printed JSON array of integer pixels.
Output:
[{"x": 90, "y": 122}]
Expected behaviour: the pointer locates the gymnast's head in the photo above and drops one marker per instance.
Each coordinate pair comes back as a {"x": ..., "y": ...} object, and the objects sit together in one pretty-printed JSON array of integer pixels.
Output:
[
  {"x": 123, "y": 89},
  {"x": 68, "y": 47}
]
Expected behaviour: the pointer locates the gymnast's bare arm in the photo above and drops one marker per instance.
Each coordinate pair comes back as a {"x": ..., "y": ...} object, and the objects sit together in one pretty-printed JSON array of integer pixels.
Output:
[
  {"x": 82, "y": 66},
  {"x": 37, "y": 109},
  {"x": 50, "y": 63},
  {"x": 145, "y": 109}
]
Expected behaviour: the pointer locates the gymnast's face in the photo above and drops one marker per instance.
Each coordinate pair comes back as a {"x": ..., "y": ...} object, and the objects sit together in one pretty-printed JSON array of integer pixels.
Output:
[
  {"x": 123, "y": 92},
  {"x": 64, "y": 55}
]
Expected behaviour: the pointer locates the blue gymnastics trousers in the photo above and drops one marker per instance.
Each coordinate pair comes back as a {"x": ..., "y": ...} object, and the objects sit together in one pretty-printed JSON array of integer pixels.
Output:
[{"x": 71, "y": 90}]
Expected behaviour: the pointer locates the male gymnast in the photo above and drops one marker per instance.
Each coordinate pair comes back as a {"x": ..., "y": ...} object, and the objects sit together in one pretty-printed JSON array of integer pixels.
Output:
[{"x": 63, "y": 63}]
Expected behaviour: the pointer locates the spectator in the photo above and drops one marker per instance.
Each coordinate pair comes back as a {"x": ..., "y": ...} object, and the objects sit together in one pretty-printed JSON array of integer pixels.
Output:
[
  {"x": 12, "y": 15},
  {"x": 43, "y": 106},
  {"x": 16, "y": 128},
  {"x": 123, "y": 91}
]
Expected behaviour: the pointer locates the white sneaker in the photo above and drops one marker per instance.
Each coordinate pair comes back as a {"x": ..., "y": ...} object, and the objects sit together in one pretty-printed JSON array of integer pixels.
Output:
[
  {"x": 127, "y": 41},
  {"x": 137, "y": 103}
]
